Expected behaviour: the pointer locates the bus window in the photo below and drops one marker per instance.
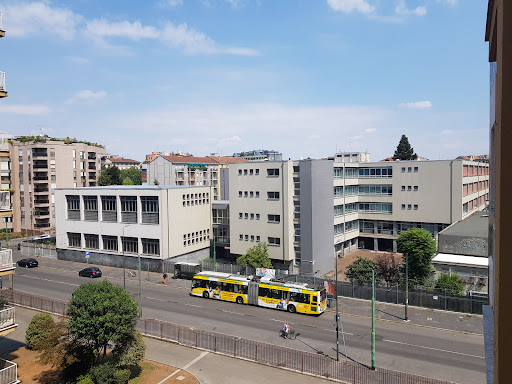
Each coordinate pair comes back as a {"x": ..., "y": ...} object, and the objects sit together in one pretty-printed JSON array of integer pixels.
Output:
[
  {"x": 294, "y": 296},
  {"x": 213, "y": 284},
  {"x": 277, "y": 294},
  {"x": 262, "y": 292},
  {"x": 323, "y": 295},
  {"x": 227, "y": 287},
  {"x": 196, "y": 283},
  {"x": 304, "y": 298},
  {"x": 243, "y": 289},
  {"x": 314, "y": 299}
]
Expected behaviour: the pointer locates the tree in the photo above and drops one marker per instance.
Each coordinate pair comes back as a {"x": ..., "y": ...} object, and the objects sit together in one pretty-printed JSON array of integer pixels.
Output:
[
  {"x": 404, "y": 151},
  {"x": 134, "y": 173},
  {"x": 127, "y": 181},
  {"x": 361, "y": 269},
  {"x": 420, "y": 247},
  {"x": 102, "y": 315},
  {"x": 388, "y": 266},
  {"x": 256, "y": 257},
  {"x": 39, "y": 328},
  {"x": 132, "y": 353},
  {"x": 451, "y": 282},
  {"x": 110, "y": 176}
]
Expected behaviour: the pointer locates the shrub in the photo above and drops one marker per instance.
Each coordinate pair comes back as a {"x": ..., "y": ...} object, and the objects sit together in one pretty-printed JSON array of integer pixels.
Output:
[
  {"x": 84, "y": 380},
  {"x": 121, "y": 376},
  {"x": 133, "y": 353},
  {"x": 39, "y": 328},
  {"x": 103, "y": 374}
]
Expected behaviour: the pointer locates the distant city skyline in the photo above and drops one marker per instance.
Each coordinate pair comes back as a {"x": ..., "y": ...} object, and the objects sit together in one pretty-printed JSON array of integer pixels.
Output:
[{"x": 306, "y": 79}]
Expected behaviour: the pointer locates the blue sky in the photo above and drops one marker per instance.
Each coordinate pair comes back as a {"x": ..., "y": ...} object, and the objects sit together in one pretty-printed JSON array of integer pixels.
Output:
[{"x": 303, "y": 77}]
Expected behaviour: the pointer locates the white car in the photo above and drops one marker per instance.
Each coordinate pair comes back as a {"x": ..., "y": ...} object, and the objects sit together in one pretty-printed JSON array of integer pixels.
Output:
[{"x": 42, "y": 237}]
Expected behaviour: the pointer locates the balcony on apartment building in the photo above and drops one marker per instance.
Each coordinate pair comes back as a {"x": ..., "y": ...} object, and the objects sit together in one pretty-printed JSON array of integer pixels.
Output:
[
  {"x": 3, "y": 90},
  {"x": 40, "y": 164},
  {"x": 41, "y": 214},
  {"x": 91, "y": 166},
  {"x": 41, "y": 189},
  {"x": 39, "y": 152},
  {"x": 41, "y": 200},
  {"x": 5, "y": 201},
  {"x": 92, "y": 175},
  {"x": 8, "y": 372},
  {"x": 40, "y": 177},
  {"x": 91, "y": 155}
]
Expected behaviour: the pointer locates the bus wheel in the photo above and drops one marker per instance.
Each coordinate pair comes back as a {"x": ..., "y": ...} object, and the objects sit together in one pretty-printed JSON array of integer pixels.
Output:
[
  {"x": 291, "y": 308},
  {"x": 206, "y": 295},
  {"x": 239, "y": 300}
]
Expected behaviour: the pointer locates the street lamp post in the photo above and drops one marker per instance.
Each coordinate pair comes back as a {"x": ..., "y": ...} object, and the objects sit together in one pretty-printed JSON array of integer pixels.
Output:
[
  {"x": 406, "y": 286},
  {"x": 124, "y": 260}
]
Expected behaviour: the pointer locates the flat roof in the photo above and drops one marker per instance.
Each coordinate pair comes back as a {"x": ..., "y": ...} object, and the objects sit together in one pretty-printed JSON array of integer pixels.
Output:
[
  {"x": 448, "y": 258},
  {"x": 476, "y": 225},
  {"x": 128, "y": 187}
]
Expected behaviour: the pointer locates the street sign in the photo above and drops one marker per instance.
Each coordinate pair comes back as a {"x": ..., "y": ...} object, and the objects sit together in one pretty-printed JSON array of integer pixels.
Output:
[{"x": 87, "y": 254}]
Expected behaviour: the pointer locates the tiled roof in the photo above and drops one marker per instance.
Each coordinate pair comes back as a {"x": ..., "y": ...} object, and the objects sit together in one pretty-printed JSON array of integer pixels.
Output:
[
  {"x": 188, "y": 159},
  {"x": 120, "y": 160}
]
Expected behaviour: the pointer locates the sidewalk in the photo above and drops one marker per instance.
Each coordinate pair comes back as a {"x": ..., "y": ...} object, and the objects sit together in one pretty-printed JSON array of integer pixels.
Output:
[{"x": 207, "y": 367}]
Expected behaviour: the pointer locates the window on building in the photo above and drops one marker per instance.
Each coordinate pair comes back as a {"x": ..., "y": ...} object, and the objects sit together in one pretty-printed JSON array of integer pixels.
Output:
[
  {"x": 338, "y": 173},
  {"x": 409, "y": 169},
  {"x": 403, "y": 169},
  {"x": 403, "y": 188},
  {"x": 415, "y": 188},
  {"x": 257, "y": 216},
  {"x": 246, "y": 237},
  {"x": 252, "y": 216},
  {"x": 130, "y": 244},
  {"x": 415, "y": 207},
  {"x": 246, "y": 215},
  {"x": 257, "y": 239},
  {"x": 338, "y": 191},
  {"x": 150, "y": 209},
  {"x": 74, "y": 240},
  {"x": 109, "y": 209},
  {"x": 257, "y": 194},
  {"x": 246, "y": 193},
  {"x": 409, "y": 206},
  {"x": 239, "y": 172},
  {"x": 73, "y": 207},
  {"x": 245, "y": 172},
  {"x": 273, "y": 195},
  {"x": 240, "y": 215},
  {"x": 251, "y": 194},
  {"x": 252, "y": 237},
  {"x": 273, "y": 172},
  {"x": 241, "y": 237},
  {"x": 90, "y": 208},
  {"x": 409, "y": 188},
  {"x": 251, "y": 172},
  {"x": 256, "y": 171},
  {"x": 274, "y": 241},
  {"x": 92, "y": 241},
  {"x": 403, "y": 206},
  {"x": 150, "y": 246},
  {"x": 274, "y": 218},
  {"x": 239, "y": 193},
  {"x": 128, "y": 209},
  {"x": 415, "y": 169}
]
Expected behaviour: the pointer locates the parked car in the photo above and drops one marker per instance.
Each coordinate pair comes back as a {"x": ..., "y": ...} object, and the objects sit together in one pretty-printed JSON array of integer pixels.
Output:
[
  {"x": 28, "y": 263},
  {"x": 90, "y": 272},
  {"x": 42, "y": 237}
]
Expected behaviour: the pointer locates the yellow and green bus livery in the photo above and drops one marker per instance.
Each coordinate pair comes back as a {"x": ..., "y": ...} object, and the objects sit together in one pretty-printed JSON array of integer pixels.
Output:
[{"x": 263, "y": 292}]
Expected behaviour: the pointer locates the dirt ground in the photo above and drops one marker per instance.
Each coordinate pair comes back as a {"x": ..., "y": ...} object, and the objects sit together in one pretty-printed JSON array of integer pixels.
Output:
[
  {"x": 344, "y": 262},
  {"x": 30, "y": 371}
]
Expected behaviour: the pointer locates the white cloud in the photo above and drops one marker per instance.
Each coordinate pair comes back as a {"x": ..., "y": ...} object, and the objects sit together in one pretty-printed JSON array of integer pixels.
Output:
[
  {"x": 86, "y": 96},
  {"x": 28, "y": 19},
  {"x": 228, "y": 141},
  {"x": 402, "y": 9},
  {"x": 448, "y": 2},
  {"x": 357, "y": 138},
  {"x": 22, "y": 109},
  {"x": 349, "y": 6},
  {"x": 447, "y": 132},
  {"x": 177, "y": 36},
  {"x": 417, "y": 105},
  {"x": 370, "y": 130},
  {"x": 170, "y": 3}
]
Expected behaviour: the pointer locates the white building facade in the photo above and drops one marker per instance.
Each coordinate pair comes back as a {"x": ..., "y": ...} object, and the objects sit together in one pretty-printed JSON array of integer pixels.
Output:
[{"x": 115, "y": 225}]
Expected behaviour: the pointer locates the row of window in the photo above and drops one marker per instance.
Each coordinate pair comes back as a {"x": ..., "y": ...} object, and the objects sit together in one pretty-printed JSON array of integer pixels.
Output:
[
  {"x": 349, "y": 225},
  {"x": 354, "y": 173},
  {"x": 349, "y": 208},
  {"x": 129, "y": 208},
  {"x": 270, "y": 218},
  {"x": 386, "y": 227},
  {"x": 468, "y": 189},
  {"x": 274, "y": 241},
  {"x": 111, "y": 243},
  {"x": 249, "y": 194},
  {"x": 191, "y": 199},
  {"x": 474, "y": 170},
  {"x": 410, "y": 169},
  {"x": 475, "y": 203},
  {"x": 353, "y": 190},
  {"x": 249, "y": 172},
  {"x": 410, "y": 188},
  {"x": 410, "y": 206},
  {"x": 196, "y": 237}
]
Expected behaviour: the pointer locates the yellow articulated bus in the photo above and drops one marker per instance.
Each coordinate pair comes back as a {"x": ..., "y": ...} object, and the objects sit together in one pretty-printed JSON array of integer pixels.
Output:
[{"x": 263, "y": 292}]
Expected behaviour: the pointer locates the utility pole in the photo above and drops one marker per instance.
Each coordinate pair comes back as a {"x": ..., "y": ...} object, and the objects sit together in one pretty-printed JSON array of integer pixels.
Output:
[
  {"x": 124, "y": 271},
  {"x": 140, "y": 290},
  {"x": 6, "y": 233},
  {"x": 373, "y": 319},
  {"x": 337, "y": 313},
  {"x": 214, "y": 253},
  {"x": 406, "y": 286}
]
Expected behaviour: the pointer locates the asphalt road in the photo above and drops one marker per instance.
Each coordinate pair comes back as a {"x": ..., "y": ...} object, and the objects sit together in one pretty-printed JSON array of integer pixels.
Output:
[{"x": 427, "y": 351}]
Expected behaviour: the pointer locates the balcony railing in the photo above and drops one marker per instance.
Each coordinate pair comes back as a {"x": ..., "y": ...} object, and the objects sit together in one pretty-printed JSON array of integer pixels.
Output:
[
  {"x": 2, "y": 82},
  {"x": 7, "y": 319},
  {"x": 6, "y": 259},
  {"x": 40, "y": 154},
  {"x": 41, "y": 201},
  {"x": 8, "y": 372},
  {"x": 39, "y": 178}
]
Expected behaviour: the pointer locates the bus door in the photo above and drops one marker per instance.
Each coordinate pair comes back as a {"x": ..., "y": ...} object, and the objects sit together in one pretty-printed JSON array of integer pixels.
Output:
[
  {"x": 252, "y": 294},
  {"x": 314, "y": 302}
]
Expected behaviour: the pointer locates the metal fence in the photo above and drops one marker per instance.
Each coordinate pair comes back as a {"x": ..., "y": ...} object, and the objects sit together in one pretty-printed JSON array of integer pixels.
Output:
[
  {"x": 433, "y": 298},
  {"x": 263, "y": 353},
  {"x": 37, "y": 249},
  {"x": 236, "y": 269},
  {"x": 8, "y": 372}
]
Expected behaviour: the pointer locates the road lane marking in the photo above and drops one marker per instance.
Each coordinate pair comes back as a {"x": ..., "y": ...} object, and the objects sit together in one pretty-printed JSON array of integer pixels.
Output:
[
  {"x": 434, "y": 349},
  {"x": 333, "y": 330},
  {"x": 49, "y": 280},
  {"x": 154, "y": 298},
  {"x": 193, "y": 305},
  {"x": 203, "y": 354},
  {"x": 234, "y": 313}
]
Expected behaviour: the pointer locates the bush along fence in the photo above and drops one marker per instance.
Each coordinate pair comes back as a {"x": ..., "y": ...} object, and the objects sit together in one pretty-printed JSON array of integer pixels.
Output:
[
  {"x": 433, "y": 298},
  {"x": 255, "y": 351}
]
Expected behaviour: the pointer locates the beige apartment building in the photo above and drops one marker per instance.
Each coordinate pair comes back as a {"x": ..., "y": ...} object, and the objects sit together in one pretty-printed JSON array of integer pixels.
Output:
[
  {"x": 374, "y": 202},
  {"x": 41, "y": 165}
]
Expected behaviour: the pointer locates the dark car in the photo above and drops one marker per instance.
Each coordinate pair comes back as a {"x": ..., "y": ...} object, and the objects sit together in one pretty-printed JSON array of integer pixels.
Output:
[
  {"x": 28, "y": 263},
  {"x": 90, "y": 272}
]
